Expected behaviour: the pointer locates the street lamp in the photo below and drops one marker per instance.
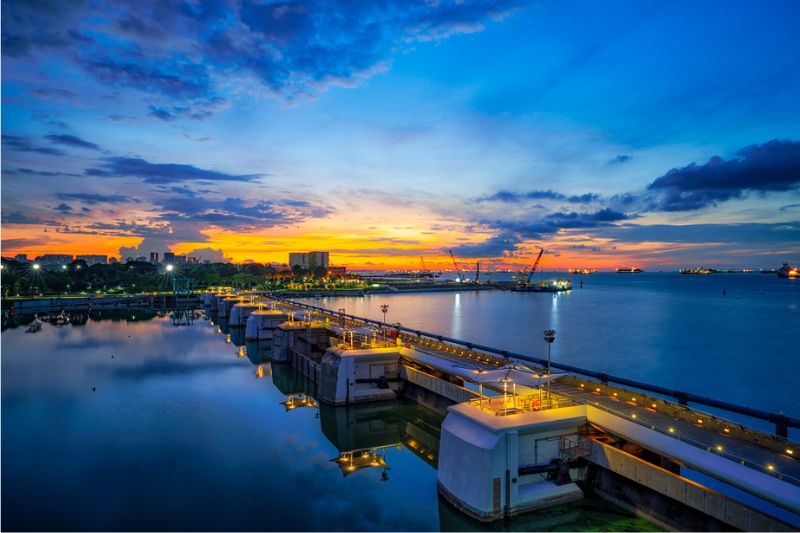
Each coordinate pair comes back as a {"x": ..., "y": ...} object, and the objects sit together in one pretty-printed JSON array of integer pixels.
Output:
[
  {"x": 384, "y": 310},
  {"x": 37, "y": 266},
  {"x": 341, "y": 314},
  {"x": 170, "y": 268},
  {"x": 549, "y": 337}
]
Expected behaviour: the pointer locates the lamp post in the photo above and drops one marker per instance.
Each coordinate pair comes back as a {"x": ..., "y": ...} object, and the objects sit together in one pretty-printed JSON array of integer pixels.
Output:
[
  {"x": 341, "y": 314},
  {"x": 384, "y": 310},
  {"x": 549, "y": 337}
]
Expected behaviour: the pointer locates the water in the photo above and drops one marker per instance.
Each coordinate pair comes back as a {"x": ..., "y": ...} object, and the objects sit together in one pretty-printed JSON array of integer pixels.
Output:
[
  {"x": 678, "y": 331},
  {"x": 124, "y": 421}
]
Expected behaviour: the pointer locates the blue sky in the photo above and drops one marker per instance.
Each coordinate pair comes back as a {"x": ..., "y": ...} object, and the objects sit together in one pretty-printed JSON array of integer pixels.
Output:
[{"x": 385, "y": 131}]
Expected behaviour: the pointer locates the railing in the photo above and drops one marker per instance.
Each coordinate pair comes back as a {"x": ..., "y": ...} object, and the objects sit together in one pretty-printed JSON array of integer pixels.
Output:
[
  {"x": 781, "y": 421},
  {"x": 514, "y": 404},
  {"x": 769, "y": 468}
]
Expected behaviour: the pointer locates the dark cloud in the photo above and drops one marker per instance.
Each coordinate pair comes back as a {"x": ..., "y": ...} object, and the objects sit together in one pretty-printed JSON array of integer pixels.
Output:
[
  {"x": 54, "y": 94},
  {"x": 17, "y": 217},
  {"x": 24, "y": 144},
  {"x": 72, "y": 140},
  {"x": 64, "y": 208},
  {"x": 510, "y": 233},
  {"x": 620, "y": 159},
  {"x": 773, "y": 166},
  {"x": 24, "y": 242},
  {"x": 92, "y": 199},
  {"x": 181, "y": 50},
  {"x": 44, "y": 173},
  {"x": 495, "y": 246},
  {"x": 236, "y": 214},
  {"x": 161, "y": 173},
  {"x": 515, "y": 197},
  {"x": 199, "y": 110}
]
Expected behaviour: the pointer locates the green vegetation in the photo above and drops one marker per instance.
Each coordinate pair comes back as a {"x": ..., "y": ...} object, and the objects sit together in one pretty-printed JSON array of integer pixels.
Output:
[{"x": 77, "y": 278}]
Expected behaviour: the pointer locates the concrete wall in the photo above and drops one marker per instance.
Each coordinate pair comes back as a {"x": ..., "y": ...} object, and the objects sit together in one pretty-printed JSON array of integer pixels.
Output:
[
  {"x": 714, "y": 510},
  {"x": 439, "y": 386}
]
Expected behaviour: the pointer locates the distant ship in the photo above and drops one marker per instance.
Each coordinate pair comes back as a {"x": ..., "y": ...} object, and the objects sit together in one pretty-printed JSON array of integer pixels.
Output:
[
  {"x": 584, "y": 271},
  {"x": 700, "y": 271},
  {"x": 628, "y": 270},
  {"x": 788, "y": 272},
  {"x": 546, "y": 285}
]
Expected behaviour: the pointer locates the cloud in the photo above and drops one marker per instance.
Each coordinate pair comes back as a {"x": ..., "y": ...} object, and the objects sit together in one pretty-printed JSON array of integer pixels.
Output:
[
  {"x": 161, "y": 173},
  {"x": 514, "y": 197},
  {"x": 72, "y": 140},
  {"x": 510, "y": 233},
  {"x": 92, "y": 199},
  {"x": 237, "y": 214},
  {"x": 24, "y": 144},
  {"x": 199, "y": 110},
  {"x": 620, "y": 159},
  {"x": 18, "y": 217},
  {"x": 63, "y": 208},
  {"x": 209, "y": 254},
  {"x": 187, "y": 50},
  {"x": 769, "y": 167},
  {"x": 24, "y": 242},
  {"x": 45, "y": 173}
]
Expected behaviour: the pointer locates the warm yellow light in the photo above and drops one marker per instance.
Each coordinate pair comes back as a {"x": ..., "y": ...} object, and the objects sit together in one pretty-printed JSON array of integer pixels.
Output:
[
  {"x": 672, "y": 430},
  {"x": 719, "y": 448},
  {"x": 699, "y": 420},
  {"x": 615, "y": 394},
  {"x": 770, "y": 467},
  {"x": 726, "y": 430},
  {"x": 597, "y": 389},
  {"x": 790, "y": 452},
  {"x": 633, "y": 415},
  {"x": 653, "y": 406}
]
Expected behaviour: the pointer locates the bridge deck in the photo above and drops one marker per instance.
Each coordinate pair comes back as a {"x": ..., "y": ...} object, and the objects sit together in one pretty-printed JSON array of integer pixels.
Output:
[{"x": 759, "y": 458}]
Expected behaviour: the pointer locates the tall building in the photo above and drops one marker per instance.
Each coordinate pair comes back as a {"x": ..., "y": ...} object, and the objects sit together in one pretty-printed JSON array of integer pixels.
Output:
[
  {"x": 298, "y": 259},
  {"x": 154, "y": 257},
  {"x": 180, "y": 259},
  {"x": 93, "y": 259},
  {"x": 318, "y": 259},
  {"x": 169, "y": 257},
  {"x": 22, "y": 258}
]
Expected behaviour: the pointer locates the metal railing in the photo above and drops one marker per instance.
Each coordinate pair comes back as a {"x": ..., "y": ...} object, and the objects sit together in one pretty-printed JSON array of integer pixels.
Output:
[{"x": 781, "y": 421}]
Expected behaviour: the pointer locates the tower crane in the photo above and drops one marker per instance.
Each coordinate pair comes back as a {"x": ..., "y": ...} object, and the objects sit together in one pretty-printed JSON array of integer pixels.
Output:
[{"x": 527, "y": 278}]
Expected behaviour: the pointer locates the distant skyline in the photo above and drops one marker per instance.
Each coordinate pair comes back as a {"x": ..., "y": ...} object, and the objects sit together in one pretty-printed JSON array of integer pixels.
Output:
[{"x": 609, "y": 134}]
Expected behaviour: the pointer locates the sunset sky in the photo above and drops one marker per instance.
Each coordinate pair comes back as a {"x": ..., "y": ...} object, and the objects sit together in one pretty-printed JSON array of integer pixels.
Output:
[{"x": 608, "y": 133}]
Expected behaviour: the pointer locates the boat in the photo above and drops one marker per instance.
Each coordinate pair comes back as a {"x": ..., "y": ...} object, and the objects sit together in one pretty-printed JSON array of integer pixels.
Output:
[
  {"x": 545, "y": 285},
  {"x": 700, "y": 271},
  {"x": 582, "y": 271},
  {"x": 628, "y": 270},
  {"x": 788, "y": 272}
]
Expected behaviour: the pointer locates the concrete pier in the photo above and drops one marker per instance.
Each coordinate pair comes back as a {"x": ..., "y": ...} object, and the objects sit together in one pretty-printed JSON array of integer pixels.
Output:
[
  {"x": 508, "y": 447},
  {"x": 262, "y": 323},
  {"x": 240, "y": 312}
]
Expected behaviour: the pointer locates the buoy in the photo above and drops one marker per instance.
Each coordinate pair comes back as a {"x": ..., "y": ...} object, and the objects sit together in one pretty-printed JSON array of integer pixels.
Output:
[
  {"x": 536, "y": 405},
  {"x": 93, "y": 389}
]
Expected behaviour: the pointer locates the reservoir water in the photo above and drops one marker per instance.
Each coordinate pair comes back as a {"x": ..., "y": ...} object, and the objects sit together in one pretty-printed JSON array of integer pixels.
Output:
[{"x": 124, "y": 421}]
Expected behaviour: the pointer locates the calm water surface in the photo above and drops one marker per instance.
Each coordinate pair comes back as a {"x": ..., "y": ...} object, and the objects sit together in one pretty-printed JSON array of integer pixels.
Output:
[
  {"x": 674, "y": 330},
  {"x": 123, "y": 421}
]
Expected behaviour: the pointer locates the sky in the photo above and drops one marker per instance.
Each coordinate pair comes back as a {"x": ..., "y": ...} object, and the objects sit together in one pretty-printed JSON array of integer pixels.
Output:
[{"x": 654, "y": 134}]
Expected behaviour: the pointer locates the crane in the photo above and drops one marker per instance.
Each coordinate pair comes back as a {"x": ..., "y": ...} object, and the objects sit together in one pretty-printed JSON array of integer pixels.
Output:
[
  {"x": 424, "y": 270},
  {"x": 533, "y": 268},
  {"x": 477, "y": 271},
  {"x": 455, "y": 265}
]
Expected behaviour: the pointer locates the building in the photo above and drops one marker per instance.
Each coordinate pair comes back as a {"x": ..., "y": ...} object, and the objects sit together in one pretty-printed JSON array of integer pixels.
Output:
[
  {"x": 54, "y": 259},
  {"x": 298, "y": 259},
  {"x": 309, "y": 260},
  {"x": 192, "y": 260},
  {"x": 22, "y": 258},
  {"x": 169, "y": 257},
  {"x": 318, "y": 259},
  {"x": 93, "y": 259},
  {"x": 337, "y": 271},
  {"x": 113, "y": 260},
  {"x": 180, "y": 259},
  {"x": 154, "y": 257}
]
